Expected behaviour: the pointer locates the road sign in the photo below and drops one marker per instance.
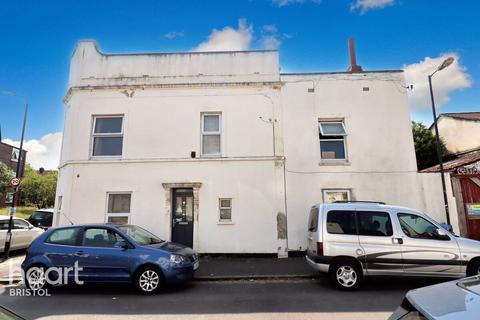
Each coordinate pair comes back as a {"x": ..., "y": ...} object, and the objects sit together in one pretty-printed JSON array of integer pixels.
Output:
[{"x": 15, "y": 182}]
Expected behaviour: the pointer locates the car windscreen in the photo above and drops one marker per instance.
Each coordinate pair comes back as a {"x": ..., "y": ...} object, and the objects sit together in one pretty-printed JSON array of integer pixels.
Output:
[
  {"x": 471, "y": 284},
  {"x": 40, "y": 215},
  {"x": 140, "y": 235}
]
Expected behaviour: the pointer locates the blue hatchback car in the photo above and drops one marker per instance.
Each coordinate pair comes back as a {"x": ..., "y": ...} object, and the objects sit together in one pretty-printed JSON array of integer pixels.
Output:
[{"x": 106, "y": 253}]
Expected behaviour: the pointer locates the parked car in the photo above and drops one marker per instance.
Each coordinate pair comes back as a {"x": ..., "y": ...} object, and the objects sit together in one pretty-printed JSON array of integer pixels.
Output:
[
  {"x": 42, "y": 218},
  {"x": 23, "y": 233},
  {"x": 446, "y": 301},
  {"x": 351, "y": 240},
  {"x": 109, "y": 253}
]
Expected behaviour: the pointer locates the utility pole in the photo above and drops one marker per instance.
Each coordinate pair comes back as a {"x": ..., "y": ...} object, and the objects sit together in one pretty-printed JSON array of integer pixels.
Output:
[
  {"x": 444, "y": 64},
  {"x": 8, "y": 240}
]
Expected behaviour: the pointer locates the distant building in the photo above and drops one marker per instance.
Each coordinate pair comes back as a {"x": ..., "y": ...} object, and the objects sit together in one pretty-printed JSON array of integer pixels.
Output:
[
  {"x": 10, "y": 155},
  {"x": 461, "y": 134},
  {"x": 459, "y": 131}
]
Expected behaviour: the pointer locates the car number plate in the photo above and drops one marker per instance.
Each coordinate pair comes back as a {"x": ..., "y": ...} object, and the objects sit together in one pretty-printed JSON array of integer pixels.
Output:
[{"x": 195, "y": 265}]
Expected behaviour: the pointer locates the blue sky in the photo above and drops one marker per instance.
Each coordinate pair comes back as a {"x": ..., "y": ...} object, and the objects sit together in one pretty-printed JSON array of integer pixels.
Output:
[{"x": 38, "y": 38}]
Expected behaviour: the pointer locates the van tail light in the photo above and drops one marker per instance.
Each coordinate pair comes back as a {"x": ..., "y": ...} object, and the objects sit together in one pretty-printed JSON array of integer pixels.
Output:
[{"x": 319, "y": 248}]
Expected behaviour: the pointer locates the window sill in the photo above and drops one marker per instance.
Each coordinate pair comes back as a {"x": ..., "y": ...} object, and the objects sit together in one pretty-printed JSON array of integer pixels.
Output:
[
  {"x": 211, "y": 156},
  {"x": 99, "y": 158},
  {"x": 334, "y": 163},
  {"x": 225, "y": 223}
]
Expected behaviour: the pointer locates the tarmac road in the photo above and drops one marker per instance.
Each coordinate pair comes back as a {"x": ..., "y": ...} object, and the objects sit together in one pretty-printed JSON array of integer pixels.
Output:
[{"x": 260, "y": 299}]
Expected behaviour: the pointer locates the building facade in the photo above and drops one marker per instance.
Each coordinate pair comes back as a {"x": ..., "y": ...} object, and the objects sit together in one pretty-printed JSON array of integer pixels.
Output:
[
  {"x": 220, "y": 151},
  {"x": 10, "y": 155}
]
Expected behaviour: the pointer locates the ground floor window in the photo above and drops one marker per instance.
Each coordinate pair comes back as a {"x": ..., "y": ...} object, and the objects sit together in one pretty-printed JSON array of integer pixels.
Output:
[
  {"x": 225, "y": 209},
  {"x": 332, "y": 195},
  {"x": 118, "y": 207}
]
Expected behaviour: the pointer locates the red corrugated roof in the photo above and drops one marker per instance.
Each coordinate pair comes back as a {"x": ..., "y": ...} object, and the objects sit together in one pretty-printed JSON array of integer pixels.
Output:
[{"x": 460, "y": 161}]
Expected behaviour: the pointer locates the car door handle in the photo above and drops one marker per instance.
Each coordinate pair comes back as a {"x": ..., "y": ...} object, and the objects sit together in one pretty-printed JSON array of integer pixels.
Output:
[
  {"x": 397, "y": 240},
  {"x": 81, "y": 254}
]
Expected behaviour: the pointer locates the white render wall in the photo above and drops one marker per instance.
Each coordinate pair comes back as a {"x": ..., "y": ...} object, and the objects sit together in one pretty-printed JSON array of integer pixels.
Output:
[
  {"x": 381, "y": 163},
  {"x": 248, "y": 183},
  {"x": 162, "y": 98}
]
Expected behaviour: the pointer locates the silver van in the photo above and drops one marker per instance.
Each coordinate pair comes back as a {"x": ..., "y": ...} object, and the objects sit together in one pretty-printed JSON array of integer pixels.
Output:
[{"x": 350, "y": 240}]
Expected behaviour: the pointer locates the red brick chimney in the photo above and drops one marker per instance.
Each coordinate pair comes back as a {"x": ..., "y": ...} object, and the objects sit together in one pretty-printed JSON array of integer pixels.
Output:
[{"x": 353, "y": 58}]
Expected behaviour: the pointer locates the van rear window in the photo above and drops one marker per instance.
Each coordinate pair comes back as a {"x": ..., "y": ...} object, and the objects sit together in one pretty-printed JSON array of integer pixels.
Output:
[
  {"x": 313, "y": 220},
  {"x": 341, "y": 222}
]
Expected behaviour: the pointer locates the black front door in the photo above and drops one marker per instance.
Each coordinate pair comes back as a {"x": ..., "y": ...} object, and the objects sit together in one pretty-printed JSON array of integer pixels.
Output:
[{"x": 182, "y": 217}]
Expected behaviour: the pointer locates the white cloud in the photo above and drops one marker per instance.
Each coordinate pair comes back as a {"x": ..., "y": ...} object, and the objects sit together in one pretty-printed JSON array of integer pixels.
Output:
[
  {"x": 243, "y": 38},
  {"x": 270, "y": 38},
  {"x": 173, "y": 34},
  {"x": 228, "y": 39},
  {"x": 282, "y": 3},
  {"x": 365, "y": 5},
  {"x": 42, "y": 153},
  {"x": 454, "y": 77},
  {"x": 270, "y": 42}
]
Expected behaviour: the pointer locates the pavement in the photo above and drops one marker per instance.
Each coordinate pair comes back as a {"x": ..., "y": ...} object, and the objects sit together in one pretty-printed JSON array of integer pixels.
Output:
[
  {"x": 236, "y": 268},
  {"x": 212, "y": 268},
  {"x": 11, "y": 267}
]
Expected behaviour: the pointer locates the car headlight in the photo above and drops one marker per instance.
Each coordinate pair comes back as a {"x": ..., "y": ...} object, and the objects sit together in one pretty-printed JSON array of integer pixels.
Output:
[{"x": 175, "y": 258}]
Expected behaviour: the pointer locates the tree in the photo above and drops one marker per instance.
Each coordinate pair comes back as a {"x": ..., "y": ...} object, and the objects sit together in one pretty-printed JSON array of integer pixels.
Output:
[
  {"x": 425, "y": 146},
  {"x": 6, "y": 174},
  {"x": 38, "y": 189}
]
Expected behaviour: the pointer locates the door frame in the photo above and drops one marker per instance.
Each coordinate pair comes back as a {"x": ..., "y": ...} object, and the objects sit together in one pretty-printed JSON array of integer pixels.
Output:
[
  {"x": 183, "y": 193},
  {"x": 168, "y": 189}
]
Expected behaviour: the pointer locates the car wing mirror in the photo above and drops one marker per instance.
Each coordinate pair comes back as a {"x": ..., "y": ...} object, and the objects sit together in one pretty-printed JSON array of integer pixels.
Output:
[
  {"x": 121, "y": 244},
  {"x": 442, "y": 234}
]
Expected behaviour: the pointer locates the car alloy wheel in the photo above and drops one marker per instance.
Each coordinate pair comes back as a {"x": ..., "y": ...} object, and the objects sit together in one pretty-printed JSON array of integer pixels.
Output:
[
  {"x": 346, "y": 276},
  {"x": 149, "y": 281},
  {"x": 36, "y": 278}
]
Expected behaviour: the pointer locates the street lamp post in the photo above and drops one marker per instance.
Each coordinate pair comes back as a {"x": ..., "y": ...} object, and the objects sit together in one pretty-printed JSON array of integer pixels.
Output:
[
  {"x": 8, "y": 239},
  {"x": 444, "y": 64}
]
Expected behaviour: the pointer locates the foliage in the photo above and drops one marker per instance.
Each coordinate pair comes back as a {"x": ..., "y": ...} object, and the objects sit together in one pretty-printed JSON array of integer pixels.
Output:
[
  {"x": 6, "y": 174},
  {"x": 21, "y": 212},
  {"x": 38, "y": 189},
  {"x": 425, "y": 146}
]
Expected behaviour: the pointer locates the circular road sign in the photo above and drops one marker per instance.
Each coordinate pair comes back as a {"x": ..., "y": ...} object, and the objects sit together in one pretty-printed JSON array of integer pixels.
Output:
[{"x": 15, "y": 182}]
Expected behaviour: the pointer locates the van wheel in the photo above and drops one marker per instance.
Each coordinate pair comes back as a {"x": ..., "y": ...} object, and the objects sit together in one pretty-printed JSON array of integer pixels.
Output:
[
  {"x": 346, "y": 275},
  {"x": 473, "y": 268},
  {"x": 148, "y": 280},
  {"x": 35, "y": 278}
]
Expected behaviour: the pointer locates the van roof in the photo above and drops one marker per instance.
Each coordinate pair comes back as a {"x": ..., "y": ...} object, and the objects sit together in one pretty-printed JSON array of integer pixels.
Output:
[{"x": 365, "y": 205}]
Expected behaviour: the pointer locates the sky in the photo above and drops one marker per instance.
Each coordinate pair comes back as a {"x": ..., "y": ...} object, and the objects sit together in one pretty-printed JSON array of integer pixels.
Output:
[{"x": 38, "y": 38}]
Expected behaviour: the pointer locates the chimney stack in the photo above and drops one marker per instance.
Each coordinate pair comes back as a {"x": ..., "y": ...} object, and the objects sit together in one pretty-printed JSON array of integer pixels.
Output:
[{"x": 353, "y": 58}]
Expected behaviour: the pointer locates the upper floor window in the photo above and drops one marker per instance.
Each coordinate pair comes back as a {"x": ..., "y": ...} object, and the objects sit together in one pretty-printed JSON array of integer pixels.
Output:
[
  {"x": 332, "y": 140},
  {"x": 15, "y": 155},
  {"x": 211, "y": 134},
  {"x": 107, "y": 136}
]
